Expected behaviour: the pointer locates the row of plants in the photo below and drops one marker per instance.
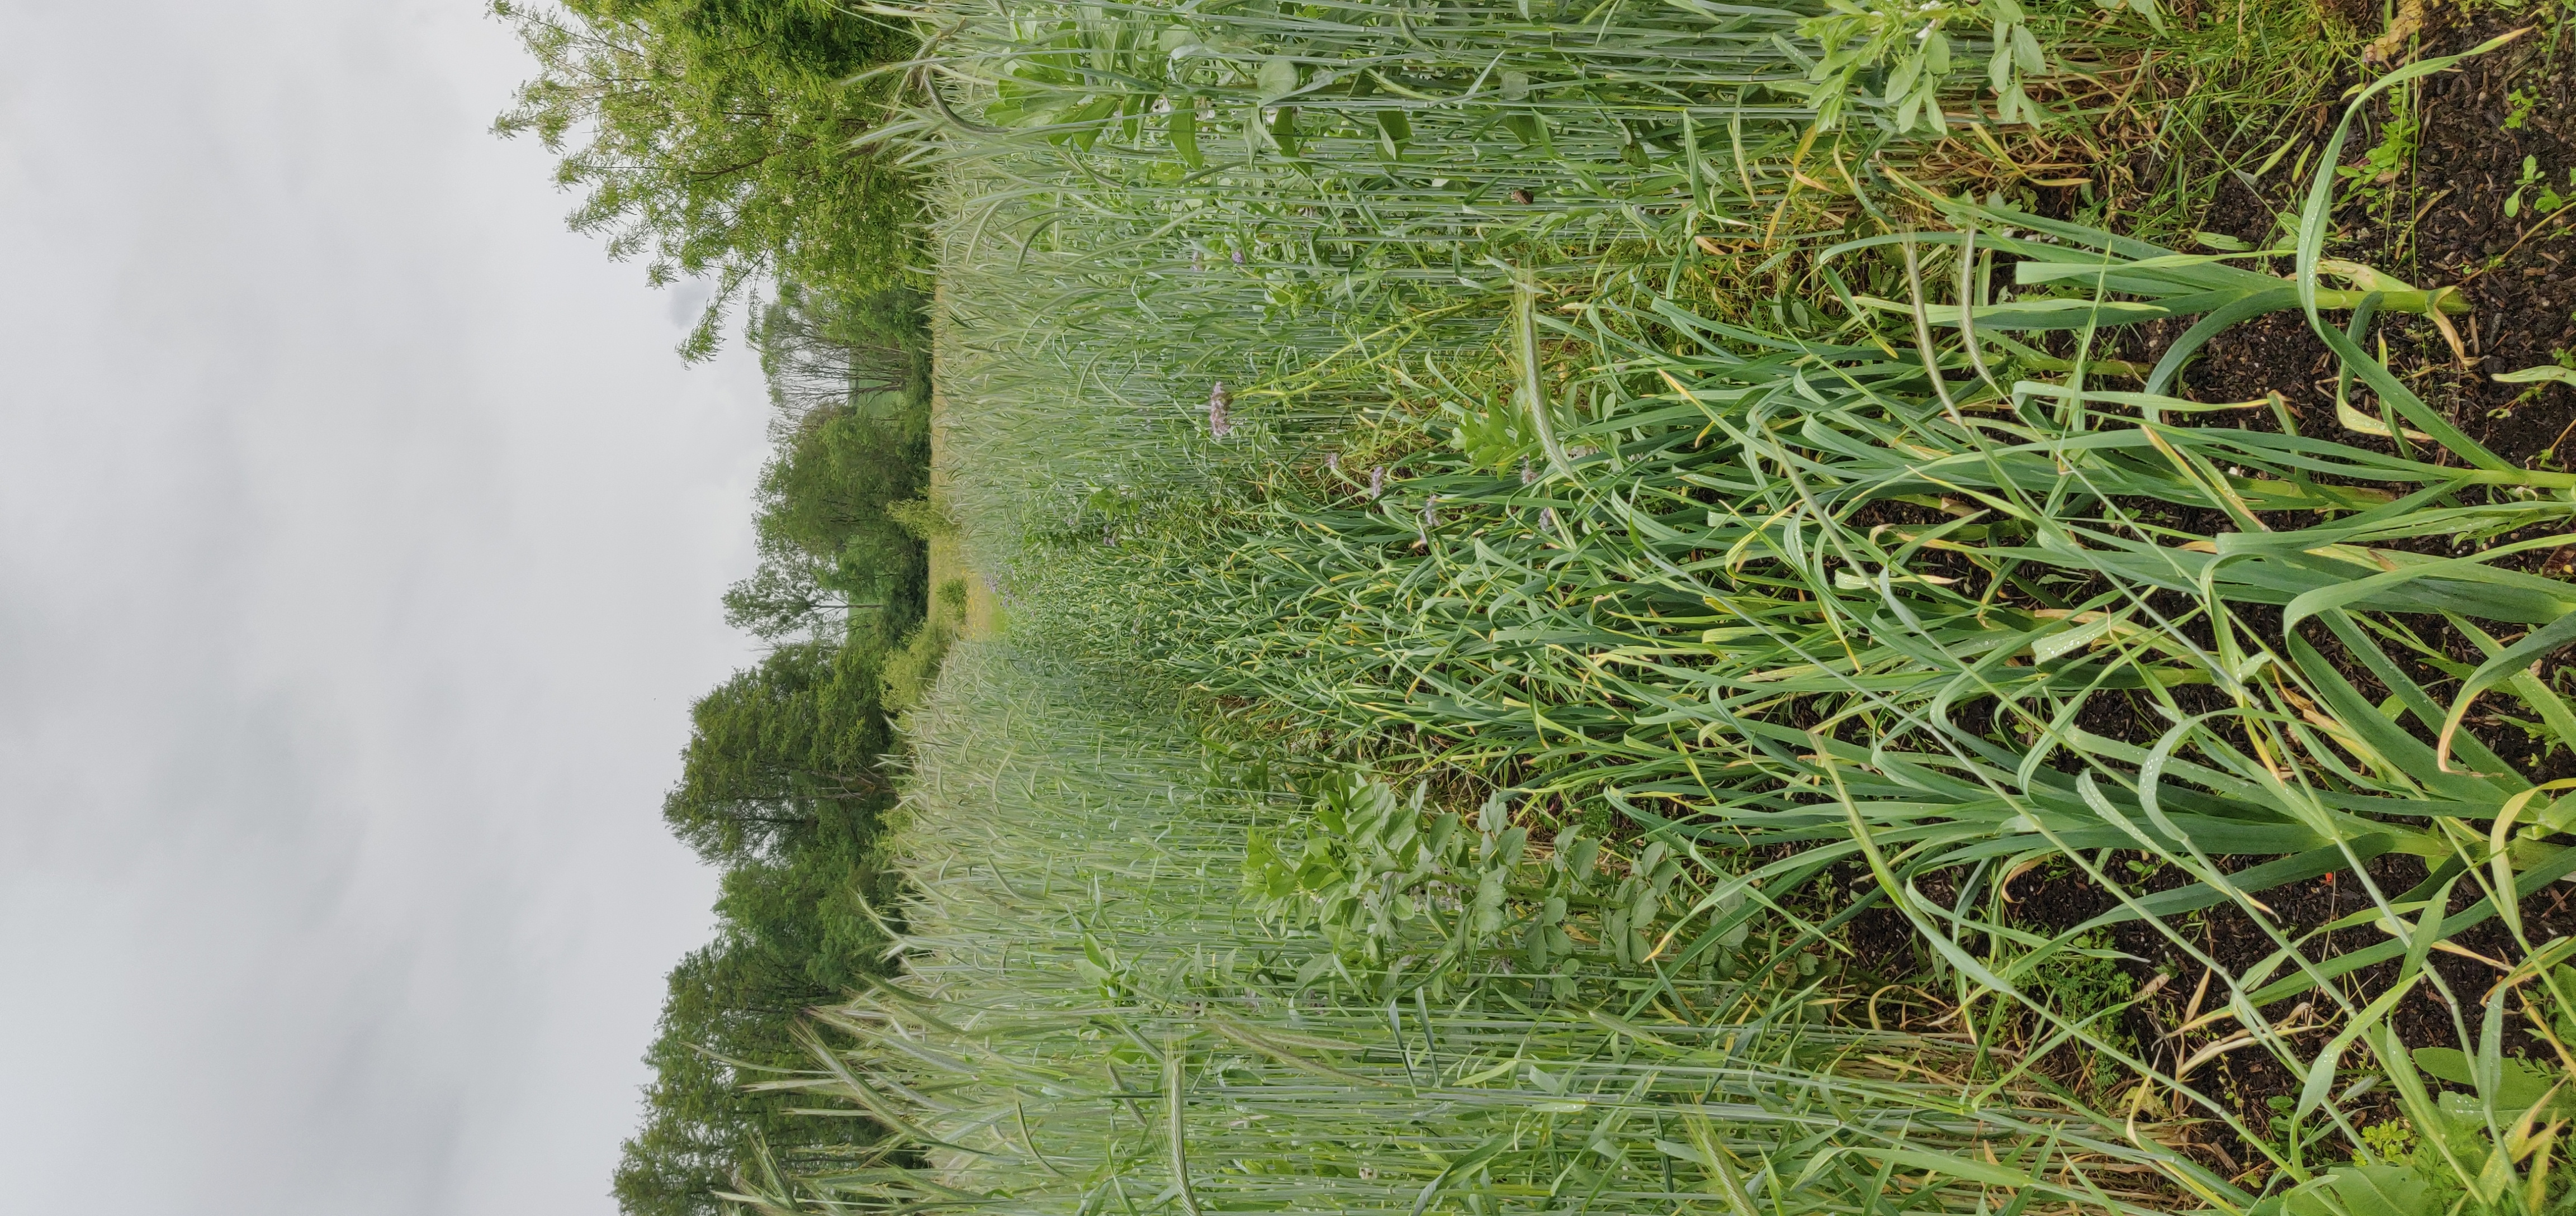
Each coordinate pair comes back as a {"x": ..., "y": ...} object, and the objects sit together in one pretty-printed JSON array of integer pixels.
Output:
[
  {"x": 1923, "y": 598},
  {"x": 1135, "y": 204},
  {"x": 1887, "y": 567},
  {"x": 1415, "y": 1011}
]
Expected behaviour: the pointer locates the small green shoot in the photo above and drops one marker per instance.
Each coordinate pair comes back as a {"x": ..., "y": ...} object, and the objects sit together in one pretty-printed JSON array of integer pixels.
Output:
[
  {"x": 2518, "y": 107},
  {"x": 2530, "y": 178},
  {"x": 2548, "y": 201},
  {"x": 2381, "y": 165}
]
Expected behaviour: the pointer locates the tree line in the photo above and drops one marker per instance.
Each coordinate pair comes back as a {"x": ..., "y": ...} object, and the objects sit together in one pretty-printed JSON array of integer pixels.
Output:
[
  {"x": 724, "y": 140},
  {"x": 785, "y": 777}
]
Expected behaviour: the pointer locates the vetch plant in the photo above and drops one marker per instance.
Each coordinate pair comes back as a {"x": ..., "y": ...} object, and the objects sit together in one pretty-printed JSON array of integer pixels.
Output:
[
  {"x": 2548, "y": 201},
  {"x": 1910, "y": 48},
  {"x": 1374, "y": 875}
]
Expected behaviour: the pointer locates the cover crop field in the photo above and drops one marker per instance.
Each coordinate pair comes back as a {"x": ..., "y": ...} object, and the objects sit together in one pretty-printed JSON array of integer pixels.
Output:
[{"x": 1857, "y": 607}]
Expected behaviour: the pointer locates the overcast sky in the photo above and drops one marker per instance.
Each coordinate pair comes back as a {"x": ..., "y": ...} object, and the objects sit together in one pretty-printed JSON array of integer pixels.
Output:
[{"x": 360, "y": 545}]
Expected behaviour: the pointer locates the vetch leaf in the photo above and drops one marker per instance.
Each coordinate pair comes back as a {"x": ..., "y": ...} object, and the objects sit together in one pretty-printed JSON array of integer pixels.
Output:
[{"x": 1276, "y": 79}]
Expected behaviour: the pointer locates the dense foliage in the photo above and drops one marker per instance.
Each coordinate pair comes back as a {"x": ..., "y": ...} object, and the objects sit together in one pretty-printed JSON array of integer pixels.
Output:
[
  {"x": 1762, "y": 647},
  {"x": 849, "y": 377},
  {"x": 724, "y": 140},
  {"x": 833, "y": 348},
  {"x": 785, "y": 781},
  {"x": 2129, "y": 664},
  {"x": 793, "y": 932},
  {"x": 779, "y": 752},
  {"x": 719, "y": 138}
]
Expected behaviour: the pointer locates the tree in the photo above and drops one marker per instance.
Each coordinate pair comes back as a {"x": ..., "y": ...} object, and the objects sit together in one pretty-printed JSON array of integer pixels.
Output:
[
  {"x": 718, "y": 138},
  {"x": 828, "y": 548},
  {"x": 824, "y": 532},
  {"x": 794, "y": 934},
  {"x": 695, "y": 1121},
  {"x": 881, "y": 562},
  {"x": 834, "y": 476},
  {"x": 810, "y": 914},
  {"x": 797, "y": 927},
  {"x": 781, "y": 750},
  {"x": 824, "y": 349},
  {"x": 789, "y": 597}
]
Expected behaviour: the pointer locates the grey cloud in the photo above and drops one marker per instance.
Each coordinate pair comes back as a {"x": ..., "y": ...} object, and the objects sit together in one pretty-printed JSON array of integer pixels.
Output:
[{"x": 359, "y": 544}]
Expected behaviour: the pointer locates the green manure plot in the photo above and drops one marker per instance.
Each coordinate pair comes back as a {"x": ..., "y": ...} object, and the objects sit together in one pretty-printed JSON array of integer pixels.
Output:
[
  {"x": 1875, "y": 598},
  {"x": 1853, "y": 593},
  {"x": 1911, "y": 593},
  {"x": 1102, "y": 1010},
  {"x": 1684, "y": 607}
]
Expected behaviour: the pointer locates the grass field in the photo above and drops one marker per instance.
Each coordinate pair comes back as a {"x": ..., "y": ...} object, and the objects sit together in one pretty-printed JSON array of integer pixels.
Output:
[{"x": 1737, "y": 608}]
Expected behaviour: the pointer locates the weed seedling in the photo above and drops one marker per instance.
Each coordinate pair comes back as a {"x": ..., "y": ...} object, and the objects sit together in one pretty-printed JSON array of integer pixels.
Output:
[
  {"x": 2379, "y": 167},
  {"x": 2530, "y": 178},
  {"x": 2548, "y": 201}
]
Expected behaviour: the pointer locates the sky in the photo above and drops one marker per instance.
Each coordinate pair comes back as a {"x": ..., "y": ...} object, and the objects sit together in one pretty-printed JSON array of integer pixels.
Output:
[{"x": 361, "y": 539}]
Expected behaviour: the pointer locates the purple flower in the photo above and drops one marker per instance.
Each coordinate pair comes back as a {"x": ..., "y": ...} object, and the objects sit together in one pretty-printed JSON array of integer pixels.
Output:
[
  {"x": 1220, "y": 424},
  {"x": 1377, "y": 482}
]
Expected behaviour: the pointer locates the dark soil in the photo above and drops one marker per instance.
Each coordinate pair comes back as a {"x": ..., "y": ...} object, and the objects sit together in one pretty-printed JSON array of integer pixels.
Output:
[
  {"x": 2247, "y": 1079},
  {"x": 2439, "y": 224},
  {"x": 2442, "y": 224},
  {"x": 2250, "y": 1077},
  {"x": 2524, "y": 301}
]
